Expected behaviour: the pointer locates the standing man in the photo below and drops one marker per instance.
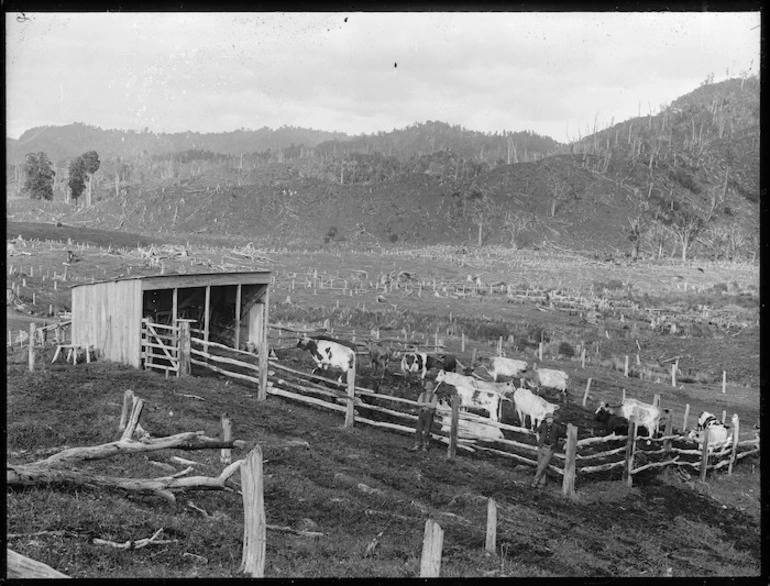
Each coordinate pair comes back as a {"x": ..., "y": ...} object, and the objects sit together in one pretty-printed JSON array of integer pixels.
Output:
[
  {"x": 549, "y": 434},
  {"x": 427, "y": 402}
]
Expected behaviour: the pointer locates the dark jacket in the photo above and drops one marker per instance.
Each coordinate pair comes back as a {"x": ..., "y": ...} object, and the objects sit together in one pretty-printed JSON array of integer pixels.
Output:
[{"x": 549, "y": 435}]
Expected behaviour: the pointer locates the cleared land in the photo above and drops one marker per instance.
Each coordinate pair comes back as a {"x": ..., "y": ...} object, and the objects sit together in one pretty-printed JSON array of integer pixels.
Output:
[{"x": 612, "y": 531}]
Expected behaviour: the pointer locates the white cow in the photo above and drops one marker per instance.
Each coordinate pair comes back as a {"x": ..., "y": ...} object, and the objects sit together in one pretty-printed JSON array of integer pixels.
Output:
[
  {"x": 502, "y": 366},
  {"x": 718, "y": 434},
  {"x": 467, "y": 429},
  {"x": 547, "y": 378},
  {"x": 455, "y": 379},
  {"x": 472, "y": 394},
  {"x": 528, "y": 403}
]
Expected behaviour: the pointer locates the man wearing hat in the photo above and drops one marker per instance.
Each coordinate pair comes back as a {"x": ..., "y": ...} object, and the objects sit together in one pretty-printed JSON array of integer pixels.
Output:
[
  {"x": 548, "y": 435},
  {"x": 427, "y": 408}
]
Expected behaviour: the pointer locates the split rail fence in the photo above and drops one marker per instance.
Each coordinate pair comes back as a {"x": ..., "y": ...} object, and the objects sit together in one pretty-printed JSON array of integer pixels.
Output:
[{"x": 581, "y": 461}]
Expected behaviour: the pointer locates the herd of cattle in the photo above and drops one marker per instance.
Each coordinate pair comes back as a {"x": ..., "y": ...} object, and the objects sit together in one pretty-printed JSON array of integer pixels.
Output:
[{"x": 477, "y": 394}]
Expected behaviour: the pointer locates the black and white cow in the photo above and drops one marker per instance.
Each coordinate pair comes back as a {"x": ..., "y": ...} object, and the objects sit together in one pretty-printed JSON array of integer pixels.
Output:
[
  {"x": 329, "y": 354},
  {"x": 421, "y": 362},
  {"x": 614, "y": 419}
]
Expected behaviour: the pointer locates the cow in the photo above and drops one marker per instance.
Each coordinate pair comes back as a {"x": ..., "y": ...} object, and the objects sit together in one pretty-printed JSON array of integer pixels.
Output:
[
  {"x": 421, "y": 362},
  {"x": 498, "y": 366},
  {"x": 456, "y": 379},
  {"x": 647, "y": 416},
  {"x": 527, "y": 403},
  {"x": 329, "y": 354},
  {"x": 467, "y": 429},
  {"x": 707, "y": 419},
  {"x": 547, "y": 378},
  {"x": 379, "y": 355},
  {"x": 718, "y": 432},
  {"x": 474, "y": 396},
  {"x": 611, "y": 423}
]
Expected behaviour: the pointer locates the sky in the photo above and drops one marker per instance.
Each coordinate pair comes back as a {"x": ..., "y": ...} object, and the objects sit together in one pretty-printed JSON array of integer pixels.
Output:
[{"x": 555, "y": 73}]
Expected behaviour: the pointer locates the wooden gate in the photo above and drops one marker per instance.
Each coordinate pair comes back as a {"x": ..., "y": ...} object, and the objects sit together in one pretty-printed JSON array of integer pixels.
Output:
[{"x": 160, "y": 347}]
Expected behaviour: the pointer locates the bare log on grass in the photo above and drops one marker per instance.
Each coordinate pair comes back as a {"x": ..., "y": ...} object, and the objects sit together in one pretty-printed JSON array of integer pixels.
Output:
[
  {"x": 20, "y": 566},
  {"x": 35, "y": 475}
]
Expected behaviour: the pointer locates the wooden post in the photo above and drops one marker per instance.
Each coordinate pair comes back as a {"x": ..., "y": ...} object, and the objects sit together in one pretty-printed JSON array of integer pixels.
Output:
[
  {"x": 174, "y": 307},
  {"x": 585, "y": 394},
  {"x": 435, "y": 341},
  {"x": 473, "y": 358},
  {"x": 128, "y": 401},
  {"x": 226, "y": 457},
  {"x": 704, "y": 457},
  {"x": 490, "y": 544},
  {"x": 724, "y": 415},
  {"x": 31, "y": 346},
  {"x": 237, "y": 337},
  {"x": 625, "y": 370},
  {"x": 264, "y": 350},
  {"x": 500, "y": 346},
  {"x": 254, "y": 526},
  {"x": 686, "y": 415},
  {"x": 432, "y": 544},
  {"x": 623, "y": 396},
  {"x": 462, "y": 342},
  {"x": 724, "y": 382},
  {"x": 673, "y": 375},
  {"x": 452, "y": 449},
  {"x": 734, "y": 451},
  {"x": 540, "y": 351},
  {"x": 206, "y": 314},
  {"x": 583, "y": 358},
  {"x": 184, "y": 348},
  {"x": 137, "y": 405},
  {"x": 349, "y": 414},
  {"x": 630, "y": 446},
  {"x": 668, "y": 431},
  {"x": 568, "y": 483}
]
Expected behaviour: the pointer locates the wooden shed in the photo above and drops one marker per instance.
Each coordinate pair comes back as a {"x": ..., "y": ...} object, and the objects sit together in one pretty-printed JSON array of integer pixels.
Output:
[{"x": 112, "y": 316}]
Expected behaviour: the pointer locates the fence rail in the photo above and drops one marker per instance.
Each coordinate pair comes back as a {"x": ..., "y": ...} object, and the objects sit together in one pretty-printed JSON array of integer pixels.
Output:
[{"x": 589, "y": 456}]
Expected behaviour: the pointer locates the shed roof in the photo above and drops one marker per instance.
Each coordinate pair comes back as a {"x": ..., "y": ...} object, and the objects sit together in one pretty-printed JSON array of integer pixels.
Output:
[{"x": 155, "y": 282}]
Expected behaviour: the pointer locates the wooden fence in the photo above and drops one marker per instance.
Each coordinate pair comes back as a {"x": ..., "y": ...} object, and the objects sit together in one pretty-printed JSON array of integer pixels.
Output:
[{"x": 581, "y": 461}]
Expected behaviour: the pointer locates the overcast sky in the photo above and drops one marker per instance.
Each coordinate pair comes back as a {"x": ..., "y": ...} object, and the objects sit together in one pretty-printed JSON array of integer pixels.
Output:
[{"x": 552, "y": 73}]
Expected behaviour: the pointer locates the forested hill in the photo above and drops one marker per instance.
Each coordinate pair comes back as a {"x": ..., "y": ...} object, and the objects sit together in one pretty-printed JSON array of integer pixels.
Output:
[{"x": 62, "y": 143}]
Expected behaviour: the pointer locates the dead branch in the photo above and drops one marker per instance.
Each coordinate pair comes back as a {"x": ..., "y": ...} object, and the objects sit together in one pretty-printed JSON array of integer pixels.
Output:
[
  {"x": 138, "y": 544},
  {"x": 189, "y": 440},
  {"x": 294, "y": 531},
  {"x": 35, "y": 474}
]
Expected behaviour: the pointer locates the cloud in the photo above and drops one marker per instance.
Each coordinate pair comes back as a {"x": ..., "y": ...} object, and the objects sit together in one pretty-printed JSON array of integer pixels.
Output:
[{"x": 375, "y": 71}]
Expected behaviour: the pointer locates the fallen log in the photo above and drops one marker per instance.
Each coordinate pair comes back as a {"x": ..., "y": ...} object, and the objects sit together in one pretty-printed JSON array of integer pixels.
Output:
[
  {"x": 20, "y": 566},
  {"x": 35, "y": 475}
]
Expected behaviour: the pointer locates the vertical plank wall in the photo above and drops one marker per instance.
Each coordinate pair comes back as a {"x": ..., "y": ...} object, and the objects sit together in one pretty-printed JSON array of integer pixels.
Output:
[{"x": 108, "y": 316}]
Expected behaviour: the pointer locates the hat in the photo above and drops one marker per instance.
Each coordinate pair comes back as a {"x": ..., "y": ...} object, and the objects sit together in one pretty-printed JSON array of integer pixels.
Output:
[
  {"x": 427, "y": 385},
  {"x": 549, "y": 415}
]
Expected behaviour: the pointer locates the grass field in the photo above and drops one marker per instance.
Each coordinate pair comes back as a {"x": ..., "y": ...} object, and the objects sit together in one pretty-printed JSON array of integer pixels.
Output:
[{"x": 610, "y": 531}]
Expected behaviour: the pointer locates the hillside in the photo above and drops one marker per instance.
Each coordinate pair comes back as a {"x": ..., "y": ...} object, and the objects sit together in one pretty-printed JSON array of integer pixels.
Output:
[
  {"x": 683, "y": 182},
  {"x": 62, "y": 143}
]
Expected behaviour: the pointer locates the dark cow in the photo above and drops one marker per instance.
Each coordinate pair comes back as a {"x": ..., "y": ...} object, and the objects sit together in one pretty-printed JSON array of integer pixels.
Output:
[
  {"x": 611, "y": 423},
  {"x": 379, "y": 355},
  {"x": 614, "y": 423}
]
